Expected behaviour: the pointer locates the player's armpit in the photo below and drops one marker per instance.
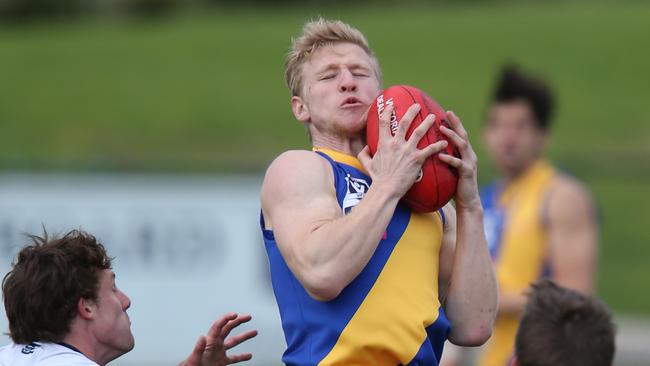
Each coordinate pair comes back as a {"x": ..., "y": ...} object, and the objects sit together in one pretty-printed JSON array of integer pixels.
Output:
[{"x": 447, "y": 249}]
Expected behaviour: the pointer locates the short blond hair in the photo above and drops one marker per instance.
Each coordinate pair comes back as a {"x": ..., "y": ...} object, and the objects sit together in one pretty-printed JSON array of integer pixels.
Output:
[{"x": 317, "y": 34}]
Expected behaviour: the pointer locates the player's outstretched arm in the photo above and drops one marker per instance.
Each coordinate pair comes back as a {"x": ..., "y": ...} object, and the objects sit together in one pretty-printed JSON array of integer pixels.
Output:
[
  {"x": 210, "y": 349},
  {"x": 325, "y": 249},
  {"x": 471, "y": 297}
]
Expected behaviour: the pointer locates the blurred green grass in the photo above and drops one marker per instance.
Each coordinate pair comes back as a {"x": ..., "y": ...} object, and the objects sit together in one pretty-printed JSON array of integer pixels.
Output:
[{"x": 205, "y": 93}]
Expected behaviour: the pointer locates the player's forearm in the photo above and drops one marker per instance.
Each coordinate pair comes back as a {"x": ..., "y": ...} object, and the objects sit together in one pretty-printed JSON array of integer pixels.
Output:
[
  {"x": 512, "y": 303},
  {"x": 338, "y": 250},
  {"x": 472, "y": 295}
]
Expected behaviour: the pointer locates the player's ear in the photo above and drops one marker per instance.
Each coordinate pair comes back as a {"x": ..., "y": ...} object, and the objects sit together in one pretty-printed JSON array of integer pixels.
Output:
[
  {"x": 300, "y": 109},
  {"x": 86, "y": 308}
]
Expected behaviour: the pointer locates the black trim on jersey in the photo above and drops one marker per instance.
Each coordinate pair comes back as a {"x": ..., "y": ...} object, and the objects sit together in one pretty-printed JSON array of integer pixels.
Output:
[{"x": 69, "y": 346}]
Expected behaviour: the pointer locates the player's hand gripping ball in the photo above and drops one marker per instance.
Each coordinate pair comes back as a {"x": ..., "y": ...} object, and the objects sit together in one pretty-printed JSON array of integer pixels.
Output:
[{"x": 436, "y": 183}]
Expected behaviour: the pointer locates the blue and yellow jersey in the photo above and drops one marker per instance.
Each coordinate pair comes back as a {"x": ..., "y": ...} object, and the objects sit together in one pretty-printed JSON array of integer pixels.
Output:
[
  {"x": 515, "y": 230},
  {"x": 389, "y": 314}
]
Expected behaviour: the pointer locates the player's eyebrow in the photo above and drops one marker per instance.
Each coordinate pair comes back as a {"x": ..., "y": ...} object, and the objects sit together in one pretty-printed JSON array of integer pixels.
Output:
[
  {"x": 352, "y": 66},
  {"x": 326, "y": 68},
  {"x": 359, "y": 67}
]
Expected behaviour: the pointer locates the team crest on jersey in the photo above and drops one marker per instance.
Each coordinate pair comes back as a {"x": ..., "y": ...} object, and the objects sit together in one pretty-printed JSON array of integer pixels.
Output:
[
  {"x": 356, "y": 190},
  {"x": 29, "y": 349}
]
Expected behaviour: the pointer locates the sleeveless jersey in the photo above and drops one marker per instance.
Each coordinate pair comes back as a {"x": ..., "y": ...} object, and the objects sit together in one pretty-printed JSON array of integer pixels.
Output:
[
  {"x": 389, "y": 314},
  {"x": 42, "y": 354},
  {"x": 514, "y": 225}
]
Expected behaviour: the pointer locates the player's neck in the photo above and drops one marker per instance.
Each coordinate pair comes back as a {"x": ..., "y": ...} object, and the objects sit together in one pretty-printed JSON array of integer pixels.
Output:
[
  {"x": 349, "y": 146},
  {"x": 87, "y": 345},
  {"x": 81, "y": 344},
  {"x": 512, "y": 175}
]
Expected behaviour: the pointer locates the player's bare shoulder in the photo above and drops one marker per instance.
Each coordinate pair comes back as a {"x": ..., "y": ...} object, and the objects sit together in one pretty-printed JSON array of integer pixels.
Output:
[
  {"x": 293, "y": 167},
  {"x": 567, "y": 186},
  {"x": 295, "y": 175},
  {"x": 568, "y": 196}
]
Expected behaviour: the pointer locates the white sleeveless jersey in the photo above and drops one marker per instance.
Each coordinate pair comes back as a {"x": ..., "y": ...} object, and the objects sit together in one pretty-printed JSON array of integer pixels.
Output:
[{"x": 42, "y": 354}]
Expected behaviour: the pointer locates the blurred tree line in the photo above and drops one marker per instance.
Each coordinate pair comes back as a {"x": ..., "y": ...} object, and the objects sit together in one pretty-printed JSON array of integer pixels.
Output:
[{"x": 26, "y": 10}]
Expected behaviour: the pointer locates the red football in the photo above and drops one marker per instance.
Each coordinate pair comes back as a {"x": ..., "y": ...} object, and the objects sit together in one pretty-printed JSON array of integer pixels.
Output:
[{"x": 437, "y": 181}]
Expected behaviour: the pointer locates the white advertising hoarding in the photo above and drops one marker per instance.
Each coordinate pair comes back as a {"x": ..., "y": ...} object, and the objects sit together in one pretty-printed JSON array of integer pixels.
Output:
[{"x": 187, "y": 249}]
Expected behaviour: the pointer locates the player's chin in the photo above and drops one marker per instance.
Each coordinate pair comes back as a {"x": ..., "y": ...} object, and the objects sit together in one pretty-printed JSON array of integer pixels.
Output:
[
  {"x": 354, "y": 122},
  {"x": 359, "y": 126},
  {"x": 130, "y": 343},
  {"x": 361, "y": 119}
]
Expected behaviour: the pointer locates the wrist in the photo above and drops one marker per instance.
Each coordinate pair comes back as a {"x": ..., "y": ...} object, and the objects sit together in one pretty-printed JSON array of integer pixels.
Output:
[
  {"x": 385, "y": 191},
  {"x": 473, "y": 207}
]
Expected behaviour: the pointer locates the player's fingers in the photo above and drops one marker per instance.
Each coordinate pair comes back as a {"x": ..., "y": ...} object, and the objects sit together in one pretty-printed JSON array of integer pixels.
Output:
[
  {"x": 461, "y": 143},
  {"x": 239, "y": 358},
  {"x": 405, "y": 122},
  {"x": 197, "y": 352},
  {"x": 235, "y": 340},
  {"x": 456, "y": 124},
  {"x": 216, "y": 328},
  {"x": 452, "y": 161},
  {"x": 384, "y": 122},
  {"x": 434, "y": 148},
  {"x": 234, "y": 323},
  {"x": 422, "y": 129}
]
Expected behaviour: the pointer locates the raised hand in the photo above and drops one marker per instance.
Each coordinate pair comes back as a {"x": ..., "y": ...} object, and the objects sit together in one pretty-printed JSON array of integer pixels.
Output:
[
  {"x": 210, "y": 350},
  {"x": 467, "y": 191}
]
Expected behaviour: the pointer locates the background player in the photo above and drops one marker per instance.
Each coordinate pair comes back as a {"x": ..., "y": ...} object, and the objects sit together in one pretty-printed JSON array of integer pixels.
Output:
[
  {"x": 64, "y": 308},
  {"x": 562, "y": 327},
  {"x": 539, "y": 221}
]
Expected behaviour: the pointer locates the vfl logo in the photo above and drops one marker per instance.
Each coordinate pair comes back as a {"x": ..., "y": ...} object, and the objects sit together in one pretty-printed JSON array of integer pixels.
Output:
[
  {"x": 29, "y": 349},
  {"x": 393, "y": 116},
  {"x": 356, "y": 190}
]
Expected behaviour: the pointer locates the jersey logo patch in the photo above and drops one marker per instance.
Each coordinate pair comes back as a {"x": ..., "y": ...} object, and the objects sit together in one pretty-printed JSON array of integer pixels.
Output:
[
  {"x": 356, "y": 190},
  {"x": 29, "y": 349}
]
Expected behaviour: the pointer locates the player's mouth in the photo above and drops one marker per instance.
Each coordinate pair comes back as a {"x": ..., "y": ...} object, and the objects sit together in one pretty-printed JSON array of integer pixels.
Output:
[{"x": 351, "y": 102}]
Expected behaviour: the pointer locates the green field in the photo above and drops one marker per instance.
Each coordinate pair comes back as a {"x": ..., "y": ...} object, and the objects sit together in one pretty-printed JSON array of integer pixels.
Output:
[{"x": 205, "y": 93}]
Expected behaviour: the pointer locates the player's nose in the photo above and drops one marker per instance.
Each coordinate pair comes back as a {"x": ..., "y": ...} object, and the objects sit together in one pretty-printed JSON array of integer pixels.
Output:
[
  {"x": 347, "y": 82},
  {"x": 126, "y": 302}
]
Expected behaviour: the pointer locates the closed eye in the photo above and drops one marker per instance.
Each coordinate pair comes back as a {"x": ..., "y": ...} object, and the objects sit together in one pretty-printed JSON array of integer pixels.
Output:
[
  {"x": 327, "y": 77},
  {"x": 360, "y": 71}
]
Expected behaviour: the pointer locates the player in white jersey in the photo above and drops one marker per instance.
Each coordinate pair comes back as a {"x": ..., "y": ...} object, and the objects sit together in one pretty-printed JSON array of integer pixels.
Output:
[
  {"x": 43, "y": 353},
  {"x": 64, "y": 309}
]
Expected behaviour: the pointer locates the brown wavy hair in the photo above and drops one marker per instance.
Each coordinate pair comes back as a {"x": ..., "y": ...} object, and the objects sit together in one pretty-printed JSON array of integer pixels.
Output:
[
  {"x": 46, "y": 281},
  {"x": 561, "y": 327}
]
